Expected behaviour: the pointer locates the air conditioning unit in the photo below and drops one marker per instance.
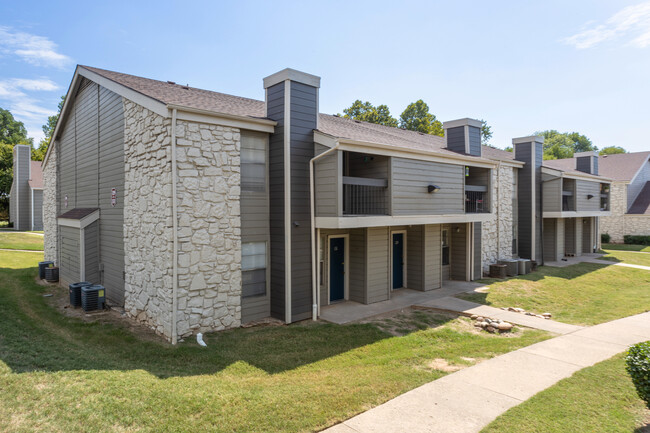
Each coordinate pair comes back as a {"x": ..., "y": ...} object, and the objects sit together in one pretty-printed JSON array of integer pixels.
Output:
[
  {"x": 93, "y": 298},
  {"x": 75, "y": 292}
]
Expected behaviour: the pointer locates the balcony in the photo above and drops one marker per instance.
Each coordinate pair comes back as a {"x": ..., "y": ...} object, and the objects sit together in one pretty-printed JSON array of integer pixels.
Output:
[
  {"x": 568, "y": 203},
  {"x": 476, "y": 199},
  {"x": 365, "y": 196}
]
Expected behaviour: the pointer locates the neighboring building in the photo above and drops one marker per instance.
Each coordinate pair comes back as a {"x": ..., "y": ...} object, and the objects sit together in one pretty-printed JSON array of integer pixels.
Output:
[
  {"x": 195, "y": 208},
  {"x": 630, "y": 192},
  {"x": 26, "y": 196}
]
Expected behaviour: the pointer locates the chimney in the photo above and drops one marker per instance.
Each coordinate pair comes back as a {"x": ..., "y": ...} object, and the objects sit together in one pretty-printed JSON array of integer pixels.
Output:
[
  {"x": 292, "y": 101},
  {"x": 587, "y": 162},
  {"x": 530, "y": 151},
  {"x": 464, "y": 136}
]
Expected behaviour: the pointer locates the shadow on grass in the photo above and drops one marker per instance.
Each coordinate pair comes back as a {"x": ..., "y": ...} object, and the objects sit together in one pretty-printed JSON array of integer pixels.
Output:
[{"x": 34, "y": 336}]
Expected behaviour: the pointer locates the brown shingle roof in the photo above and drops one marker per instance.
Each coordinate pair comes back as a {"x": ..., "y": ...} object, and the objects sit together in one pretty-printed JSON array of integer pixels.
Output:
[
  {"x": 618, "y": 167},
  {"x": 78, "y": 213},
  {"x": 36, "y": 180}
]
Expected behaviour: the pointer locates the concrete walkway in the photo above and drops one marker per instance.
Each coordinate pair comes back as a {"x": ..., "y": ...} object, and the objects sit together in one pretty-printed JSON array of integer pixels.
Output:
[
  {"x": 466, "y": 401},
  {"x": 468, "y": 308},
  {"x": 22, "y": 251},
  {"x": 593, "y": 258}
]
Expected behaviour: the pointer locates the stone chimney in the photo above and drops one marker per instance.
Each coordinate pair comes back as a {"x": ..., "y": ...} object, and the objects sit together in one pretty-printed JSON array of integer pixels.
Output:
[
  {"x": 587, "y": 162},
  {"x": 463, "y": 136}
]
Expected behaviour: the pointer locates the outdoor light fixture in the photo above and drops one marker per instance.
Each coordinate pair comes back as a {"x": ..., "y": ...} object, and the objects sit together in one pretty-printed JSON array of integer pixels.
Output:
[
  {"x": 589, "y": 196},
  {"x": 433, "y": 188},
  {"x": 457, "y": 229}
]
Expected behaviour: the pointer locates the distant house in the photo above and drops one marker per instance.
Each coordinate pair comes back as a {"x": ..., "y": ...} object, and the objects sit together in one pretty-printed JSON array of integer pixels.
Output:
[
  {"x": 200, "y": 211},
  {"x": 630, "y": 193},
  {"x": 26, "y": 196}
]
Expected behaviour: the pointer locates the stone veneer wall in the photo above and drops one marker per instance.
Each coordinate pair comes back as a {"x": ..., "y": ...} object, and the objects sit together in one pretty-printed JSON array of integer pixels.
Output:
[
  {"x": 209, "y": 227},
  {"x": 494, "y": 250},
  {"x": 209, "y": 230},
  {"x": 148, "y": 235},
  {"x": 50, "y": 227},
  {"x": 619, "y": 223}
]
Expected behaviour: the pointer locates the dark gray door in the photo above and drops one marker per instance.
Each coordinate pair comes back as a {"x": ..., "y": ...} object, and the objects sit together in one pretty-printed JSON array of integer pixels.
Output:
[
  {"x": 337, "y": 269},
  {"x": 398, "y": 260}
]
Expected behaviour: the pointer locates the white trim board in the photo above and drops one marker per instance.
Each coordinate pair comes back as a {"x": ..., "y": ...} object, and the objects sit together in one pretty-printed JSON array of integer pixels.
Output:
[{"x": 351, "y": 222}]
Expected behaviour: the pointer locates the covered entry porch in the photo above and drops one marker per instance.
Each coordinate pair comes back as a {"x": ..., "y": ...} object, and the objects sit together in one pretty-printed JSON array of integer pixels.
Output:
[{"x": 370, "y": 265}]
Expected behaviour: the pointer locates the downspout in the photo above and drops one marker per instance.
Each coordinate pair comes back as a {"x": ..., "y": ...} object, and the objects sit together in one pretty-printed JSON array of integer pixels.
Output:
[
  {"x": 315, "y": 275},
  {"x": 496, "y": 205},
  {"x": 174, "y": 234}
]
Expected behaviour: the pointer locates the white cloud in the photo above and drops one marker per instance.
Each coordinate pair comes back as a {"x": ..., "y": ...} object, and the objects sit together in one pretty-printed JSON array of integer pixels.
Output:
[
  {"x": 36, "y": 50},
  {"x": 631, "y": 23}
]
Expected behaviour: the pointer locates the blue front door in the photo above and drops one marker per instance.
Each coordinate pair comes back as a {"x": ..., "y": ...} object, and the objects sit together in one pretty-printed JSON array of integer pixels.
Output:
[
  {"x": 337, "y": 269},
  {"x": 398, "y": 260}
]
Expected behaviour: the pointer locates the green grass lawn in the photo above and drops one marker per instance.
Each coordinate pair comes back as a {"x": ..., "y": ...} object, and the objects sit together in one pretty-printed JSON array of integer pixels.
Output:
[
  {"x": 21, "y": 241},
  {"x": 626, "y": 247},
  {"x": 598, "y": 399},
  {"x": 630, "y": 257},
  {"x": 60, "y": 374},
  {"x": 581, "y": 294}
]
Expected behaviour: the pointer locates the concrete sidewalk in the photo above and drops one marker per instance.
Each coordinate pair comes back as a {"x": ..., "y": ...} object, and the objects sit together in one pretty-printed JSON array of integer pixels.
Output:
[{"x": 466, "y": 401}]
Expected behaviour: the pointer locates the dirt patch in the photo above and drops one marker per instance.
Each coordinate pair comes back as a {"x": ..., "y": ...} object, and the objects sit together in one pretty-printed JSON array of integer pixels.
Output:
[
  {"x": 443, "y": 365},
  {"x": 407, "y": 320}
]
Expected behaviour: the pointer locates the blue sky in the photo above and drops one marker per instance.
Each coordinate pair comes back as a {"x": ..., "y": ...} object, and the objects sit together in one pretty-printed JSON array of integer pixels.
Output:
[{"x": 522, "y": 66}]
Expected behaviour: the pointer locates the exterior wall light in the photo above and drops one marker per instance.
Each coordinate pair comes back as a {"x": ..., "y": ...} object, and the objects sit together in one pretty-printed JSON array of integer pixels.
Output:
[
  {"x": 433, "y": 188},
  {"x": 589, "y": 196}
]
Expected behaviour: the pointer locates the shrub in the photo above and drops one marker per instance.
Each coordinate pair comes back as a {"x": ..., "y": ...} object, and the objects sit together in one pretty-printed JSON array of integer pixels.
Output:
[
  {"x": 605, "y": 238},
  {"x": 636, "y": 240},
  {"x": 638, "y": 367}
]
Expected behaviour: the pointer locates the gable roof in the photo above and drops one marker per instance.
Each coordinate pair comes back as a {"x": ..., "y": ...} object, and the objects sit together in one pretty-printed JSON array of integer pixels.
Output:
[
  {"x": 36, "y": 180},
  {"x": 642, "y": 203},
  {"x": 618, "y": 167}
]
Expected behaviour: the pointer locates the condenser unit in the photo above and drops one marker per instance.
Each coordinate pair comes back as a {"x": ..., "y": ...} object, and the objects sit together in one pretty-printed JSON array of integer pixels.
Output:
[{"x": 93, "y": 297}]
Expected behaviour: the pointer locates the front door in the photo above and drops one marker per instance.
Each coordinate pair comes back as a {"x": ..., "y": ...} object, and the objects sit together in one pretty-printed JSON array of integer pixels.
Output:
[
  {"x": 337, "y": 269},
  {"x": 398, "y": 260}
]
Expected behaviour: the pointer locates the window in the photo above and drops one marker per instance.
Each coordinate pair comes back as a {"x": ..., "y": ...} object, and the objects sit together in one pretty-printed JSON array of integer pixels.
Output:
[
  {"x": 253, "y": 162},
  {"x": 253, "y": 266},
  {"x": 445, "y": 247}
]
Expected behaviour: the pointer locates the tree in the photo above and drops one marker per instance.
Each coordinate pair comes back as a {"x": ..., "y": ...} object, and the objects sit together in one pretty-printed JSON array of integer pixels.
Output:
[
  {"x": 416, "y": 117},
  {"x": 12, "y": 132},
  {"x": 611, "y": 150},
  {"x": 486, "y": 133},
  {"x": 367, "y": 112},
  {"x": 560, "y": 145},
  {"x": 48, "y": 129}
]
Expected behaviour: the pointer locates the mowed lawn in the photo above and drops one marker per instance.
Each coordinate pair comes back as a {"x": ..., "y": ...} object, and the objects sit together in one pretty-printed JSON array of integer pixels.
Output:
[
  {"x": 59, "y": 374},
  {"x": 581, "y": 294},
  {"x": 598, "y": 399},
  {"x": 21, "y": 241},
  {"x": 626, "y": 247},
  {"x": 631, "y": 257}
]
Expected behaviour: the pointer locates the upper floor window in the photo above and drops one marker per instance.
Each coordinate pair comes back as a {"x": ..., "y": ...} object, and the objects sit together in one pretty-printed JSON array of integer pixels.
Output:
[
  {"x": 253, "y": 266},
  {"x": 253, "y": 161}
]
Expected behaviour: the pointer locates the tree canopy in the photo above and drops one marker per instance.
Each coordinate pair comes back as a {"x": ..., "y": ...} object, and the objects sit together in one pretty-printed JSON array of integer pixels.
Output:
[
  {"x": 48, "y": 129},
  {"x": 367, "y": 112},
  {"x": 416, "y": 117},
  {"x": 560, "y": 145},
  {"x": 12, "y": 132},
  {"x": 611, "y": 150}
]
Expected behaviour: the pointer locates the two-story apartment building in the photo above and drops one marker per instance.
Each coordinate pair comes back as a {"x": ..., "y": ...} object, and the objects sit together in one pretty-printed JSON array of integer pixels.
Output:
[
  {"x": 201, "y": 211},
  {"x": 26, "y": 194}
]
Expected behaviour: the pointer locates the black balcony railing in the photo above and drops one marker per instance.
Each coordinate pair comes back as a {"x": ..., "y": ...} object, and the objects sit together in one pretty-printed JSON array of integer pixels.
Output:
[
  {"x": 476, "y": 202},
  {"x": 363, "y": 196},
  {"x": 604, "y": 202},
  {"x": 568, "y": 202}
]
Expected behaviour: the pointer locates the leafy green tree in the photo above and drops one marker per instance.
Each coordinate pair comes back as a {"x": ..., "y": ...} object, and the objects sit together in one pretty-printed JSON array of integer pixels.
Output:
[
  {"x": 486, "y": 133},
  {"x": 416, "y": 117},
  {"x": 12, "y": 132},
  {"x": 611, "y": 150},
  {"x": 560, "y": 145},
  {"x": 48, "y": 129},
  {"x": 367, "y": 112}
]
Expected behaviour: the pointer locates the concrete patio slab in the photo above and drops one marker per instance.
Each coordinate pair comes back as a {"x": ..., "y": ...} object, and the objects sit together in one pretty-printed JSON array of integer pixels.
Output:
[
  {"x": 592, "y": 258},
  {"x": 467, "y": 400}
]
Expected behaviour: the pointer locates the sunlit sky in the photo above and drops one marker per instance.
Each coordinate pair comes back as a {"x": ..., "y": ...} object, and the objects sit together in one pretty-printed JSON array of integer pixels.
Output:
[{"x": 522, "y": 66}]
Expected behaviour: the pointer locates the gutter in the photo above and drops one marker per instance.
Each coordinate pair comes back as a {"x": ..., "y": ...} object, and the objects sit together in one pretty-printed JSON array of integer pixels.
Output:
[
  {"x": 315, "y": 276},
  {"x": 174, "y": 234}
]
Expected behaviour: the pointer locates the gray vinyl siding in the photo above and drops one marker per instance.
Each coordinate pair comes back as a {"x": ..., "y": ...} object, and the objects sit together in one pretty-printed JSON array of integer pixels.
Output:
[
  {"x": 528, "y": 190},
  {"x": 458, "y": 252},
  {"x": 552, "y": 195},
  {"x": 90, "y": 164},
  {"x": 583, "y": 164},
  {"x": 255, "y": 227},
  {"x": 587, "y": 235},
  {"x": 410, "y": 179},
  {"x": 584, "y": 188},
  {"x": 326, "y": 184},
  {"x": 456, "y": 139},
  {"x": 303, "y": 122},
  {"x": 377, "y": 167},
  {"x": 378, "y": 267},
  {"x": 69, "y": 263},
  {"x": 474, "y": 140},
  {"x": 91, "y": 251},
  {"x": 559, "y": 238},
  {"x": 275, "y": 111},
  {"x": 357, "y": 267},
  {"x": 478, "y": 267},
  {"x": 595, "y": 158},
  {"x": 570, "y": 236},
  {"x": 635, "y": 187},
  {"x": 432, "y": 257},
  {"x": 20, "y": 200},
  {"x": 415, "y": 257},
  {"x": 578, "y": 234},
  {"x": 38, "y": 209},
  {"x": 550, "y": 239}
]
